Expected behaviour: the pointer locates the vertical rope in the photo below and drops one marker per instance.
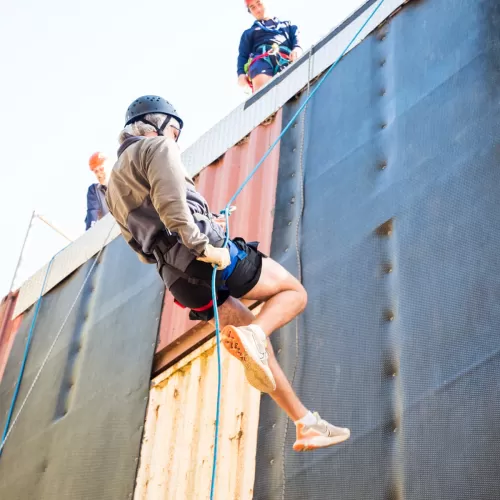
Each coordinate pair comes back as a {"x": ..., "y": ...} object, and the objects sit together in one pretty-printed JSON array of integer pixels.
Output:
[
  {"x": 25, "y": 359},
  {"x": 226, "y": 213}
]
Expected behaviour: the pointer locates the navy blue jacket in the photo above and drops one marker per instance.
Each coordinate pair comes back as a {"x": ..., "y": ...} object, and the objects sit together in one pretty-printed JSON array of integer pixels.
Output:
[
  {"x": 96, "y": 204},
  {"x": 266, "y": 33}
]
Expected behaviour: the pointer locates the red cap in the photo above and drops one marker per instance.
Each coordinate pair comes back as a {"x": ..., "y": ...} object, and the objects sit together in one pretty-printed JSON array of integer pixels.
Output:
[{"x": 96, "y": 160}]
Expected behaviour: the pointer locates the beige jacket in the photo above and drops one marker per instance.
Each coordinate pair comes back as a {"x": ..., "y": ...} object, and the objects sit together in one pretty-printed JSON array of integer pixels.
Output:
[{"x": 148, "y": 191}]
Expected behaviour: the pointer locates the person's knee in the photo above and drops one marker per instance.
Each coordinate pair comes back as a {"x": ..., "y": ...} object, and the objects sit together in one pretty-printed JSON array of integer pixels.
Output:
[
  {"x": 260, "y": 80},
  {"x": 296, "y": 286},
  {"x": 300, "y": 295},
  {"x": 302, "y": 298}
]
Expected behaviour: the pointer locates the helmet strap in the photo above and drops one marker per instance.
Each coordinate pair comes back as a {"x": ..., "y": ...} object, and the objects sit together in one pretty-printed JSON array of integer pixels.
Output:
[{"x": 162, "y": 127}]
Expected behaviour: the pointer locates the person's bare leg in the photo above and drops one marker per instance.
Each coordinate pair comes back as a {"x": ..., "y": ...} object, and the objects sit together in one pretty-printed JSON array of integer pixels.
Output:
[
  {"x": 258, "y": 81},
  {"x": 284, "y": 395},
  {"x": 285, "y": 296},
  {"x": 233, "y": 312}
]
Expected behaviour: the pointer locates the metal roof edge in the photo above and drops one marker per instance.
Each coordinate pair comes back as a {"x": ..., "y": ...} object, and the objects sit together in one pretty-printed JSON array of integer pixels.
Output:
[
  {"x": 220, "y": 138},
  {"x": 66, "y": 261}
]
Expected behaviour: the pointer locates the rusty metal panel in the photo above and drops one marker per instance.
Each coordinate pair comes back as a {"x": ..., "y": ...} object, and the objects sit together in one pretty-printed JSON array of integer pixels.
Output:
[
  {"x": 8, "y": 328},
  {"x": 254, "y": 216},
  {"x": 177, "y": 448}
]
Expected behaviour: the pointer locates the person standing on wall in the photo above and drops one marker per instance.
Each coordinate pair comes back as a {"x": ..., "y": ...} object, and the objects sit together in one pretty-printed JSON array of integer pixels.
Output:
[
  {"x": 97, "y": 207},
  {"x": 266, "y": 48},
  {"x": 168, "y": 223}
]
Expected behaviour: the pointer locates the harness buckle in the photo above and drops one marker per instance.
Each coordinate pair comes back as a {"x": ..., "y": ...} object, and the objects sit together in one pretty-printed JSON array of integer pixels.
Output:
[{"x": 275, "y": 48}]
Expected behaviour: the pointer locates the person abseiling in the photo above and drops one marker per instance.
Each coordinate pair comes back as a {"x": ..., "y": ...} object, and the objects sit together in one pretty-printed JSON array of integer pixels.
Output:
[
  {"x": 266, "y": 48},
  {"x": 167, "y": 222}
]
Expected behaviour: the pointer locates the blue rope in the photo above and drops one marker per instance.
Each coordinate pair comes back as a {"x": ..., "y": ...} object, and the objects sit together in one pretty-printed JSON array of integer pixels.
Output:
[
  {"x": 226, "y": 213},
  {"x": 25, "y": 358}
]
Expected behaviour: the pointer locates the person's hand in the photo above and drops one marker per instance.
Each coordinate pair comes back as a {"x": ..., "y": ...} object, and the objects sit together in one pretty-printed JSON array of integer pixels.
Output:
[
  {"x": 243, "y": 83},
  {"x": 216, "y": 256},
  {"x": 296, "y": 53}
]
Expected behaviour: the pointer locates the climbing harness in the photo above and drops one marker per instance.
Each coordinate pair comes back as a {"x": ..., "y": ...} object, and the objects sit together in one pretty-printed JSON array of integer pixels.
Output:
[
  {"x": 278, "y": 57},
  {"x": 226, "y": 214},
  {"x": 167, "y": 240}
]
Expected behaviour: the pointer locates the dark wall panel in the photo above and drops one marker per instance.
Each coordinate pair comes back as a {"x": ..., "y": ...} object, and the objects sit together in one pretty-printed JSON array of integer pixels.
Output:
[
  {"x": 398, "y": 245},
  {"x": 79, "y": 435}
]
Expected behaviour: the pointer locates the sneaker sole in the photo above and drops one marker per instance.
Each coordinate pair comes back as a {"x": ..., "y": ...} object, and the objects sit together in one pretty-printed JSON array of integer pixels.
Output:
[
  {"x": 318, "y": 442},
  {"x": 257, "y": 374}
]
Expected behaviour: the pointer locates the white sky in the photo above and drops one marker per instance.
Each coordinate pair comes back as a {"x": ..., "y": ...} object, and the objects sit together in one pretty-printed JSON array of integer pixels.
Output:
[{"x": 69, "y": 71}]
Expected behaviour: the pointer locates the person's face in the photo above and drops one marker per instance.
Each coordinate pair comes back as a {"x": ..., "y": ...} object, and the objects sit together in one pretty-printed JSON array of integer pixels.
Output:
[
  {"x": 173, "y": 131},
  {"x": 258, "y": 9},
  {"x": 100, "y": 173}
]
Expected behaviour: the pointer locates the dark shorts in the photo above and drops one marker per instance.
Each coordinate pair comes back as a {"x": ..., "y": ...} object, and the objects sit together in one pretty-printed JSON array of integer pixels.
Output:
[
  {"x": 261, "y": 67},
  {"x": 246, "y": 267}
]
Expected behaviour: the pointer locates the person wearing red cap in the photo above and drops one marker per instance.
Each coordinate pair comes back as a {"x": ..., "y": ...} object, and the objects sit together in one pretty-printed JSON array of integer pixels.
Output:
[
  {"x": 266, "y": 48},
  {"x": 96, "y": 201}
]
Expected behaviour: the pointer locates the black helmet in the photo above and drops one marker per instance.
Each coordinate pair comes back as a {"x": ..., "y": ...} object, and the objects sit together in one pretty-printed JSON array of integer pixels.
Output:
[{"x": 150, "y": 104}]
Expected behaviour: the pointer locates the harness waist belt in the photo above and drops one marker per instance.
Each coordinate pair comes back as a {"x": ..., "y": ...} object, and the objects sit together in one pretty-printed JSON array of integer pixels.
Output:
[{"x": 162, "y": 246}]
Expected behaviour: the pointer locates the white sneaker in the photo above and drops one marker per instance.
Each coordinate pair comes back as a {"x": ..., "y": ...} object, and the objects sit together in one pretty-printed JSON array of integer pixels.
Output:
[
  {"x": 248, "y": 344},
  {"x": 319, "y": 435}
]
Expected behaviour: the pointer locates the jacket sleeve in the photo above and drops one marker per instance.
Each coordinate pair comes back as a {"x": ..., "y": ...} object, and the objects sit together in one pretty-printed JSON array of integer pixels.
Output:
[
  {"x": 244, "y": 51},
  {"x": 161, "y": 161},
  {"x": 92, "y": 208},
  {"x": 295, "y": 36},
  {"x": 146, "y": 259}
]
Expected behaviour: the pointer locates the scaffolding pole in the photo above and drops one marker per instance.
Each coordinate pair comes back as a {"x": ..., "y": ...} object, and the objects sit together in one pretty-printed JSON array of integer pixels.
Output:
[{"x": 22, "y": 251}]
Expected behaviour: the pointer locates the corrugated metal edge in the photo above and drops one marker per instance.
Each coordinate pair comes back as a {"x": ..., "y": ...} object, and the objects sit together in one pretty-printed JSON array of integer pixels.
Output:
[
  {"x": 214, "y": 143},
  {"x": 67, "y": 261}
]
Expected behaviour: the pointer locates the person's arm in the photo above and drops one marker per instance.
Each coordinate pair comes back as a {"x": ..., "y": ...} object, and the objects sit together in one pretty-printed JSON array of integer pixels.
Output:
[
  {"x": 163, "y": 168},
  {"x": 92, "y": 208},
  {"x": 244, "y": 51},
  {"x": 295, "y": 41},
  {"x": 161, "y": 162},
  {"x": 295, "y": 36}
]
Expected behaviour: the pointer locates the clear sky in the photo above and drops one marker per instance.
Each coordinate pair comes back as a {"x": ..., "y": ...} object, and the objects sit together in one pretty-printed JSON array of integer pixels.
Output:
[{"x": 69, "y": 71}]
